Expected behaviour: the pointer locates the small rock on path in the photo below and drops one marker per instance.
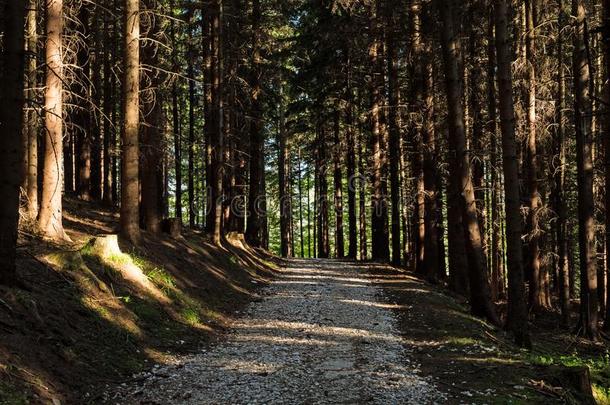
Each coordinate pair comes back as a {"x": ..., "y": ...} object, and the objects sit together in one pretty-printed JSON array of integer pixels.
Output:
[{"x": 323, "y": 333}]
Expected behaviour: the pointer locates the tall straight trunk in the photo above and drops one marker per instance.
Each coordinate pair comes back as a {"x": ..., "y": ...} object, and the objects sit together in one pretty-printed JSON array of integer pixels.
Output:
[
  {"x": 533, "y": 265},
  {"x": 495, "y": 225},
  {"x": 95, "y": 79},
  {"x": 432, "y": 223},
  {"x": 338, "y": 185},
  {"x": 32, "y": 124},
  {"x": 300, "y": 188},
  {"x": 362, "y": 196},
  {"x": 116, "y": 117},
  {"x": 82, "y": 114},
  {"x": 11, "y": 121},
  {"x": 152, "y": 165},
  {"x": 477, "y": 135},
  {"x": 584, "y": 162},
  {"x": 517, "y": 311},
  {"x": 256, "y": 215},
  {"x": 50, "y": 218},
  {"x": 130, "y": 193},
  {"x": 309, "y": 240},
  {"x": 415, "y": 139},
  {"x": 151, "y": 154},
  {"x": 323, "y": 223},
  {"x": 191, "y": 136},
  {"x": 108, "y": 106},
  {"x": 606, "y": 40},
  {"x": 481, "y": 304},
  {"x": 206, "y": 28},
  {"x": 217, "y": 112},
  {"x": 350, "y": 159},
  {"x": 559, "y": 198},
  {"x": 176, "y": 129},
  {"x": 379, "y": 219},
  {"x": 394, "y": 141},
  {"x": 284, "y": 187}
]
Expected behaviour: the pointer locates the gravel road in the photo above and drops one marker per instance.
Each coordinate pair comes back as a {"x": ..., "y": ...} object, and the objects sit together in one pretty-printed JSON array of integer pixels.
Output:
[{"x": 323, "y": 333}]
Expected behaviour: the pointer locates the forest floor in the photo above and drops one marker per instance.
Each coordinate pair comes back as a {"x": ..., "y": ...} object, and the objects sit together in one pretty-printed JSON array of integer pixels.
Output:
[
  {"x": 329, "y": 331},
  {"x": 87, "y": 320},
  {"x": 184, "y": 321}
]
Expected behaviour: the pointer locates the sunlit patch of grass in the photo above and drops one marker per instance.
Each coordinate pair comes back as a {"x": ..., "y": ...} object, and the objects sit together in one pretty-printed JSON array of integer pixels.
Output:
[
  {"x": 462, "y": 341},
  {"x": 161, "y": 278},
  {"x": 601, "y": 394},
  {"x": 599, "y": 367},
  {"x": 191, "y": 316}
]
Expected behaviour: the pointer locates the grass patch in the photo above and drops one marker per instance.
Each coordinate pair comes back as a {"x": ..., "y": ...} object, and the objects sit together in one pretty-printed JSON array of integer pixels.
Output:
[
  {"x": 599, "y": 367},
  {"x": 191, "y": 316},
  {"x": 9, "y": 395}
]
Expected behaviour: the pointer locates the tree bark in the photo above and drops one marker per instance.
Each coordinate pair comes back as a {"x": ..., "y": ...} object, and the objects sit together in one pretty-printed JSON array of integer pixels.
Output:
[
  {"x": 50, "y": 217},
  {"x": 130, "y": 193},
  {"x": 350, "y": 159},
  {"x": 584, "y": 162},
  {"x": 517, "y": 312},
  {"x": 379, "y": 220},
  {"x": 11, "y": 121},
  {"x": 33, "y": 122},
  {"x": 323, "y": 223},
  {"x": 481, "y": 304},
  {"x": 338, "y": 185},
  {"x": 284, "y": 187},
  {"x": 533, "y": 265},
  {"x": 559, "y": 169},
  {"x": 254, "y": 227},
  {"x": 394, "y": 132}
]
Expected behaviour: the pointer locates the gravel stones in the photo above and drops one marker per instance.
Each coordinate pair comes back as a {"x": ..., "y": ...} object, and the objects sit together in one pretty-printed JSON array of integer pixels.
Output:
[{"x": 323, "y": 333}]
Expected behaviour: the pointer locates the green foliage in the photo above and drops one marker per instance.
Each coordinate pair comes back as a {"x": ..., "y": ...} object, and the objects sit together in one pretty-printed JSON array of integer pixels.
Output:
[
  {"x": 599, "y": 367},
  {"x": 9, "y": 395}
]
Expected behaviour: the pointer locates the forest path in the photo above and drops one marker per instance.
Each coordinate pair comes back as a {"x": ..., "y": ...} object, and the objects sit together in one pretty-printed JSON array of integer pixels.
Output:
[{"x": 323, "y": 332}]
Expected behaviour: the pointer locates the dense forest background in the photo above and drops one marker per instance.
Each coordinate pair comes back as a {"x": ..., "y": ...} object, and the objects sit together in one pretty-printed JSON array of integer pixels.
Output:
[{"x": 467, "y": 141}]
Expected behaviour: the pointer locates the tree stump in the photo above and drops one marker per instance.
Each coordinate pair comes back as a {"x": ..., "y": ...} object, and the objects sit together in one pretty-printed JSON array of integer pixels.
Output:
[
  {"x": 172, "y": 226},
  {"x": 105, "y": 245},
  {"x": 578, "y": 380}
]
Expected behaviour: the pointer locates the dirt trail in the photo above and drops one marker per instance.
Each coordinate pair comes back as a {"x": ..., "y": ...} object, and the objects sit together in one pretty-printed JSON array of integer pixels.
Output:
[{"x": 323, "y": 332}]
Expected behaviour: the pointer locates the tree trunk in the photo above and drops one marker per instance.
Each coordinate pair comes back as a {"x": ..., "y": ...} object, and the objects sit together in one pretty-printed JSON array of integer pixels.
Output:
[
  {"x": 432, "y": 224},
  {"x": 108, "y": 107},
  {"x": 350, "y": 158},
  {"x": 33, "y": 123},
  {"x": 394, "y": 142},
  {"x": 323, "y": 231},
  {"x": 380, "y": 237},
  {"x": 481, "y": 304},
  {"x": 254, "y": 227},
  {"x": 284, "y": 187},
  {"x": 338, "y": 185},
  {"x": 517, "y": 312},
  {"x": 584, "y": 162},
  {"x": 533, "y": 265},
  {"x": 130, "y": 193},
  {"x": 151, "y": 154},
  {"x": 559, "y": 170},
  {"x": 362, "y": 197},
  {"x": 496, "y": 227},
  {"x": 606, "y": 39},
  {"x": 50, "y": 218},
  {"x": 11, "y": 120}
]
